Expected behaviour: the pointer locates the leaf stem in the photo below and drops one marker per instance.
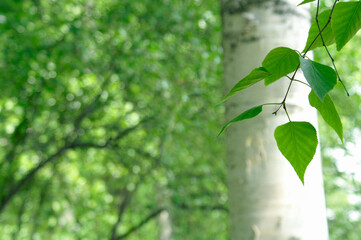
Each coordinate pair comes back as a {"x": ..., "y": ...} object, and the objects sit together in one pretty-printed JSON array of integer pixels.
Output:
[
  {"x": 296, "y": 80},
  {"x": 288, "y": 116},
  {"x": 265, "y": 104}
]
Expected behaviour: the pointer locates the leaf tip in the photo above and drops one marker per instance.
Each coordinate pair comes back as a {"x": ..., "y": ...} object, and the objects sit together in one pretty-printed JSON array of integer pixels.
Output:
[
  {"x": 302, "y": 178},
  {"x": 222, "y": 130}
]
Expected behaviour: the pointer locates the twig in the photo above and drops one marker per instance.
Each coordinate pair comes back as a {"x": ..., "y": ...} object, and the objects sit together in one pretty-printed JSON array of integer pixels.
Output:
[
  {"x": 140, "y": 224},
  {"x": 324, "y": 44},
  {"x": 127, "y": 196}
]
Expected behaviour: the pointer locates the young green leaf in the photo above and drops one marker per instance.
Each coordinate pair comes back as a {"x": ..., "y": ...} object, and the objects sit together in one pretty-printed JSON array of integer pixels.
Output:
[
  {"x": 305, "y": 1},
  {"x": 280, "y": 62},
  {"x": 346, "y": 21},
  {"x": 328, "y": 112},
  {"x": 327, "y": 34},
  {"x": 321, "y": 78},
  {"x": 253, "y": 77},
  {"x": 250, "y": 113},
  {"x": 297, "y": 141}
]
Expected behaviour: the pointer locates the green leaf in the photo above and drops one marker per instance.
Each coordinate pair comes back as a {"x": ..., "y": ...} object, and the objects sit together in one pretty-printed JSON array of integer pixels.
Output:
[
  {"x": 327, "y": 34},
  {"x": 250, "y": 113},
  {"x": 280, "y": 62},
  {"x": 253, "y": 77},
  {"x": 305, "y": 1},
  {"x": 328, "y": 112},
  {"x": 297, "y": 141},
  {"x": 321, "y": 78},
  {"x": 346, "y": 21}
]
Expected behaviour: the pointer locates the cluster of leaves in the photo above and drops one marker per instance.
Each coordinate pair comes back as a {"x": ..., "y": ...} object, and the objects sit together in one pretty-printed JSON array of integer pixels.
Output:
[{"x": 297, "y": 141}]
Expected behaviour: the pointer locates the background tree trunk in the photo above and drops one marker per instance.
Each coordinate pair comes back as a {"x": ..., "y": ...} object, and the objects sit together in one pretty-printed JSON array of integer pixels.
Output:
[
  {"x": 267, "y": 200},
  {"x": 165, "y": 226}
]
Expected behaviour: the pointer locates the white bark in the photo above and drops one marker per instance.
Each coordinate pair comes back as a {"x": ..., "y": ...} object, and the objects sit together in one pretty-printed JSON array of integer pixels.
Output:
[
  {"x": 267, "y": 200},
  {"x": 165, "y": 226},
  {"x": 164, "y": 218}
]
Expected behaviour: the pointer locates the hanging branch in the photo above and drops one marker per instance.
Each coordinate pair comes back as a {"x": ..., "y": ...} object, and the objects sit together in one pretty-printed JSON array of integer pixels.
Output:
[
  {"x": 324, "y": 44},
  {"x": 283, "y": 103}
]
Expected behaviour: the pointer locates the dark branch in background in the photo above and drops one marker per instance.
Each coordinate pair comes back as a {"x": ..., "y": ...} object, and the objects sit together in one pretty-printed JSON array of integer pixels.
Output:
[
  {"x": 70, "y": 142},
  {"x": 19, "y": 136},
  {"x": 127, "y": 197},
  {"x": 156, "y": 212},
  {"x": 323, "y": 42},
  {"x": 110, "y": 140},
  {"x": 90, "y": 107},
  {"x": 140, "y": 180},
  {"x": 122, "y": 207},
  {"x": 30, "y": 175},
  {"x": 202, "y": 207},
  {"x": 21, "y": 183},
  {"x": 140, "y": 224}
]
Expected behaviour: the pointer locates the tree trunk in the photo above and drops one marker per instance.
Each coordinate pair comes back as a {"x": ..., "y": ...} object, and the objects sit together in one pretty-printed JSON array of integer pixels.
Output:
[
  {"x": 267, "y": 200},
  {"x": 165, "y": 226}
]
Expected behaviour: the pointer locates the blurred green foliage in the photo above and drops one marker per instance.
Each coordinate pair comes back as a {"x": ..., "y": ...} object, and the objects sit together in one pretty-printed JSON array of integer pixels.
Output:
[{"x": 108, "y": 116}]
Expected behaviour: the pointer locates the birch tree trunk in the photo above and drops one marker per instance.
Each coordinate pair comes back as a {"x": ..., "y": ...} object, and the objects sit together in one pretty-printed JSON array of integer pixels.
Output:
[
  {"x": 165, "y": 226},
  {"x": 267, "y": 200}
]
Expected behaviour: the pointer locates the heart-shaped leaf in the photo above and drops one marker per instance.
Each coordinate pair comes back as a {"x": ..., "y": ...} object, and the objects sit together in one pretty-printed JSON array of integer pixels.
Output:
[
  {"x": 328, "y": 112},
  {"x": 297, "y": 141},
  {"x": 321, "y": 78},
  {"x": 346, "y": 21},
  {"x": 327, "y": 33},
  {"x": 280, "y": 62}
]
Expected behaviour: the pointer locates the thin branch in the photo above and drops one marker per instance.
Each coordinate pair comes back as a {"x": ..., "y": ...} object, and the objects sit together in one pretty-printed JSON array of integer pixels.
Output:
[
  {"x": 324, "y": 44},
  {"x": 21, "y": 183},
  {"x": 202, "y": 207},
  {"x": 90, "y": 107},
  {"x": 285, "y": 108},
  {"x": 320, "y": 32},
  {"x": 140, "y": 180},
  {"x": 127, "y": 198},
  {"x": 140, "y": 224},
  {"x": 158, "y": 211},
  {"x": 121, "y": 211},
  {"x": 296, "y": 80},
  {"x": 110, "y": 140},
  {"x": 20, "y": 134}
]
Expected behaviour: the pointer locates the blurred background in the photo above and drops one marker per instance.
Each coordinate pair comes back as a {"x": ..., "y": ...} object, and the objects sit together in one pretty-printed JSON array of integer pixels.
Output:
[{"x": 109, "y": 112}]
